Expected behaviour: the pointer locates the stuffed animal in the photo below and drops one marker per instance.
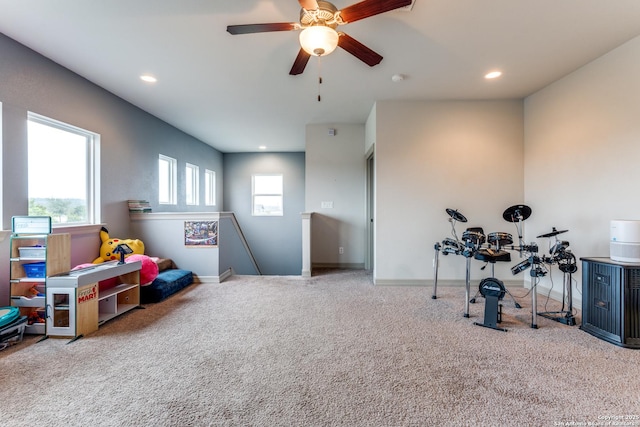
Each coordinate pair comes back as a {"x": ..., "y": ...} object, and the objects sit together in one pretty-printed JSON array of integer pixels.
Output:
[
  {"x": 148, "y": 270},
  {"x": 109, "y": 244}
]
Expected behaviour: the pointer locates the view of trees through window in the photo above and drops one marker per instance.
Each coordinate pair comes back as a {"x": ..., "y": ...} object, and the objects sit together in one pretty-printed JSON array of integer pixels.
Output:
[
  {"x": 60, "y": 210},
  {"x": 59, "y": 165}
]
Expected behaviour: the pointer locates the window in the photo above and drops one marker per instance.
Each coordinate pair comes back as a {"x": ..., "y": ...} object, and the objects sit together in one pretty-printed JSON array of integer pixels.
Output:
[
  {"x": 209, "y": 187},
  {"x": 267, "y": 195},
  {"x": 1, "y": 181},
  {"x": 192, "y": 184},
  {"x": 63, "y": 171},
  {"x": 167, "y": 180}
]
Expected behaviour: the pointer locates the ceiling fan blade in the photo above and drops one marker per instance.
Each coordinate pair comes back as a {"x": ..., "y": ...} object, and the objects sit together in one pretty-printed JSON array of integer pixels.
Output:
[
  {"x": 368, "y": 8},
  {"x": 262, "y": 28},
  {"x": 359, "y": 50},
  {"x": 308, "y": 4},
  {"x": 300, "y": 63}
]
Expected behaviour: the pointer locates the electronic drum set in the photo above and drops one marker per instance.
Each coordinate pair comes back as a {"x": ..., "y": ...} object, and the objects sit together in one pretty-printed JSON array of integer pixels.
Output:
[{"x": 494, "y": 247}]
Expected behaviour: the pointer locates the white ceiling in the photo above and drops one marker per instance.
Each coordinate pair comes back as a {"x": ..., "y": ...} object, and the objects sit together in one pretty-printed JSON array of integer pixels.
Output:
[{"x": 235, "y": 92}]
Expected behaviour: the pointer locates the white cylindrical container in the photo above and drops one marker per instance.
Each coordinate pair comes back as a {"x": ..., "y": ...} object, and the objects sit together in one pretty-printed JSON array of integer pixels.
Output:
[{"x": 625, "y": 240}]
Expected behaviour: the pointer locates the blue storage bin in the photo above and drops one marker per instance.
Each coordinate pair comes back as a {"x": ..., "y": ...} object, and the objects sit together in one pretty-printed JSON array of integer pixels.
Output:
[{"x": 34, "y": 270}]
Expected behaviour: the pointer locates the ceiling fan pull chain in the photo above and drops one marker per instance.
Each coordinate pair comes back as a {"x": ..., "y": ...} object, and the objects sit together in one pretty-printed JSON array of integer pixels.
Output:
[{"x": 319, "y": 76}]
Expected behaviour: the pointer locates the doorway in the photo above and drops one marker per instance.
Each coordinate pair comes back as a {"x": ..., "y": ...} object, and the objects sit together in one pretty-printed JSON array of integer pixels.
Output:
[{"x": 370, "y": 201}]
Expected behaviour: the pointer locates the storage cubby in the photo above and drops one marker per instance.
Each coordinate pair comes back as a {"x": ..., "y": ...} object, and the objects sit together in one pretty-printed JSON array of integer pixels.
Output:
[
  {"x": 118, "y": 300},
  {"x": 80, "y": 306},
  {"x": 33, "y": 258}
]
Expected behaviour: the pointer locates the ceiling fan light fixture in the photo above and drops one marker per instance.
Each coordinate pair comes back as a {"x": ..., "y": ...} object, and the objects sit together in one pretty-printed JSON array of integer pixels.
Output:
[{"x": 319, "y": 40}]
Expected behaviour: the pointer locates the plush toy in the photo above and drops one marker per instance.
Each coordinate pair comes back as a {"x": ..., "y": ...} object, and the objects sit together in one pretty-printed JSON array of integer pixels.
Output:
[
  {"x": 109, "y": 244},
  {"x": 149, "y": 269}
]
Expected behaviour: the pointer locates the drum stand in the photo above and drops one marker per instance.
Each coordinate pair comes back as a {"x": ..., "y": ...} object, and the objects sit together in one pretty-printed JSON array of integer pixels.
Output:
[
  {"x": 564, "y": 316},
  {"x": 436, "y": 261},
  {"x": 468, "y": 253},
  {"x": 454, "y": 216},
  {"x": 467, "y": 283},
  {"x": 435, "y": 270},
  {"x": 567, "y": 264},
  {"x": 535, "y": 272}
]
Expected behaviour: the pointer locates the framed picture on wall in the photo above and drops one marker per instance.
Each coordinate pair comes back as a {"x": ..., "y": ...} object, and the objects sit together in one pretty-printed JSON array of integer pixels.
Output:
[{"x": 201, "y": 233}]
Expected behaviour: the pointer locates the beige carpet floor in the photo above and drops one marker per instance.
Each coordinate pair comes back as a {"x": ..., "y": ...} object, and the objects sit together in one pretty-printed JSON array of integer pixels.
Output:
[{"x": 330, "y": 350}]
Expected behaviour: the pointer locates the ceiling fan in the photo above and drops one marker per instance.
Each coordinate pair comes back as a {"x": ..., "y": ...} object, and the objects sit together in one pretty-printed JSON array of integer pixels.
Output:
[{"x": 318, "y": 22}]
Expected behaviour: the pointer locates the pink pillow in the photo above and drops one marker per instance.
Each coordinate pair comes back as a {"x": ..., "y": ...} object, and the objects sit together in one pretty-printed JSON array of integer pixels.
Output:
[{"x": 149, "y": 270}]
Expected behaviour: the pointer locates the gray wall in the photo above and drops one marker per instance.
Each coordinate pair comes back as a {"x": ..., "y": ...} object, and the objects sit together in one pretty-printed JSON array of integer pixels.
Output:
[
  {"x": 131, "y": 140},
  {"x": 275, "y": 241}
]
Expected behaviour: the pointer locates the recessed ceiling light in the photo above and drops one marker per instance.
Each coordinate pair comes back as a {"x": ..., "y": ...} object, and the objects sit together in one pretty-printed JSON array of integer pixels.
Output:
[
  {"x": 493, "y": 75},
  {"x": 262, "y": 147},
  {"x": 148, "y": 78}
]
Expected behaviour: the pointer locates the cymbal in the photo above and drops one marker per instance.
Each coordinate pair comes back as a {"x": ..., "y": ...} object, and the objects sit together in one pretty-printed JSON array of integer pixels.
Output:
[
  {"x": 456, "y": 215},
  {"x": 517, "y": 213},
  {"x": 553, "y": 232}
]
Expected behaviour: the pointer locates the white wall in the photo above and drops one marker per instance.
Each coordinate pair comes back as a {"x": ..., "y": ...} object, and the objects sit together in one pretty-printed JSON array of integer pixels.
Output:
[
  {"x": 582, "y": 154},
  {"x": 465, "y": 155},
  {"x": 335, "y": 172},
  {"x": 370, "y": 130}
]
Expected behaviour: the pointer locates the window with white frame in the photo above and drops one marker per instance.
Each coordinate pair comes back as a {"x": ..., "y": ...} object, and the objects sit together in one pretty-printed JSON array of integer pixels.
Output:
[
  {"x": 1, "y": 181},
  {"x": 192, "y": 184},
  {"x": 167, "y": 180},
  {"x": 209, "y": 187},
  {"x": 267, "y": 195},
  {"x": 63, "y": 171}
]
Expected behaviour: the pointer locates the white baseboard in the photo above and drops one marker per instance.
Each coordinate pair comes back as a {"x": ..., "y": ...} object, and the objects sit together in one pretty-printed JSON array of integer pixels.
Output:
[{"x": 213, "y": 279}]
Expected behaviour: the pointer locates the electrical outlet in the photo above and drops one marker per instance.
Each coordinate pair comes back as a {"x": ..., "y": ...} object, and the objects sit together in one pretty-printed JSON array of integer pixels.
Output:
[{"x": 340, "y": 250}]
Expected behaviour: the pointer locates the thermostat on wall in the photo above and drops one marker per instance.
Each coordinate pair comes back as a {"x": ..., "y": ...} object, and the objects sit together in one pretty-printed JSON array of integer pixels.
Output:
[{"x": 31, "y": 224}]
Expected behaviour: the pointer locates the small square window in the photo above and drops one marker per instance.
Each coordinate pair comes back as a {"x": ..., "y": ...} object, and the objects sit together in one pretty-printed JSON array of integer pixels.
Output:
[{"x": 267, "y": 195}]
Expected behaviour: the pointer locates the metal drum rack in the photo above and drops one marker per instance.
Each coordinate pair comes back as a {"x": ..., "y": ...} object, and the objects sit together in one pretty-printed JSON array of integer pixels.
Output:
[{"x": 494, "y": 248}]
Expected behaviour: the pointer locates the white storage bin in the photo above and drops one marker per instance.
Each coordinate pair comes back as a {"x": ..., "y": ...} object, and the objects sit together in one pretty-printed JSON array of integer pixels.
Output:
[{"x": 32, "y": 252}]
